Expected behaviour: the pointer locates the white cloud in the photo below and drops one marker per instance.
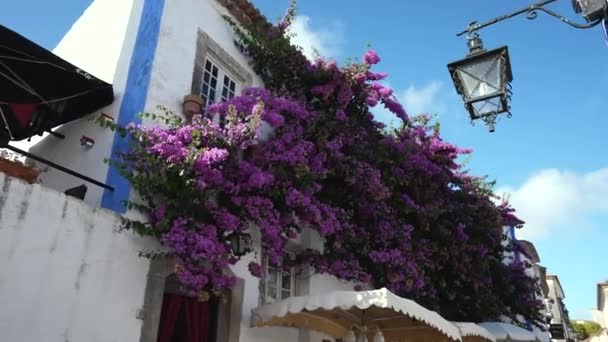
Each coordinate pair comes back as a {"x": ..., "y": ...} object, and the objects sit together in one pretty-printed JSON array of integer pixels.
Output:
[
  {"x": 416, "y": 100},
  {"x": 326, "y": 41},
  {"x": 551, "y": 200},
  {"x": 425, "y": 99}
]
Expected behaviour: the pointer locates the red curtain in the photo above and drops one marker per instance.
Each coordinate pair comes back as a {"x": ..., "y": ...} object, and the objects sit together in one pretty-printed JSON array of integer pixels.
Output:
[{"x": 184, "y": 319}]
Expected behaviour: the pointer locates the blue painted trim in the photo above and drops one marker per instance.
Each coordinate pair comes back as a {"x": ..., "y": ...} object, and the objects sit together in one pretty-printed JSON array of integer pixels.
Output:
[{"x": 134, "y": 98}]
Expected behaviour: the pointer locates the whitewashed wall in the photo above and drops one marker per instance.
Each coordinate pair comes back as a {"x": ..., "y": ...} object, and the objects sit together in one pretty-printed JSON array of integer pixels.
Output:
[
  {"x": 101, "y": 43},
  {"x": 175, "y": 54},
  {"x": 66, "y": 273}
]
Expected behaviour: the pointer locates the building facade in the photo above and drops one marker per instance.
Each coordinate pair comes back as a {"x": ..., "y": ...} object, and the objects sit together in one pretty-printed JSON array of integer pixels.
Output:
[
  {"x": 560, "y": 320},
  {"x": 600, "y": 315},
  {"x": 85, "y": 280}
]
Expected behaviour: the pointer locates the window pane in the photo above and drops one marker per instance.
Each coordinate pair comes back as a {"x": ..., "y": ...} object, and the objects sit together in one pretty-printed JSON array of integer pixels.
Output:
[
  {"x": 286, "y": 262},
  {"x": 233, "y": 86},
  {"x": 285, "y": 294},
  {"x": 271, "y": 294},
  {"x": 271, "y": 276},
  {"x": 209, "y": 84},
  {"x": 286, "y": 281}
]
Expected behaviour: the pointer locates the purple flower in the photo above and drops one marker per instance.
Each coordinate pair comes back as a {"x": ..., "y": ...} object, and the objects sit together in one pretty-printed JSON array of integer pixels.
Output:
[
  {"x": 256, "y": 269},
  {"x": 371, "y": 57},
  {"x": 341, "y": 115}
]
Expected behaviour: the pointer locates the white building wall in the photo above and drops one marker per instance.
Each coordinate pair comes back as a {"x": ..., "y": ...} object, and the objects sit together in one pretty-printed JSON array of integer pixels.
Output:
[
  {"x": 101, "y": 43},
  {"x": 173, "y": 67},
  {"x": 66, "y": 272}
]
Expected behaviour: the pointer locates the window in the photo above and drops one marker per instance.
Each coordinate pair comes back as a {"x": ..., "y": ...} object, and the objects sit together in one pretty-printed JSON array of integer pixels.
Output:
[
  {"x": 278, "y": 282},
  {"x": 216, "y": 85}
]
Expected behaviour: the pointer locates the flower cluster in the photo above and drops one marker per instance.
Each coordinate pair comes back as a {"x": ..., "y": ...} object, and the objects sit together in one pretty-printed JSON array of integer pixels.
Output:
[{"x": 394, "y": 207}]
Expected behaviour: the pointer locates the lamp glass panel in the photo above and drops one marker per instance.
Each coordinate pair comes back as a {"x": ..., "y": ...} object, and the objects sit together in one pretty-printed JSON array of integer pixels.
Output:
[
  {"x": 481, "y": 77},
  {"x": 488, "y": 106}
]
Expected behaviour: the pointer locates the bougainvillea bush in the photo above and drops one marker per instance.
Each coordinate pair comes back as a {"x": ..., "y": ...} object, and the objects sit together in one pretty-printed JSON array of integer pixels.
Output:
[{"x": 394, "y": 206}]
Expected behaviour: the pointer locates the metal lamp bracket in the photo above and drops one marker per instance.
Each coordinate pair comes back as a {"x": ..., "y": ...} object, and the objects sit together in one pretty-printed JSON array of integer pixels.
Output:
[{"x": 531, "y": 13}]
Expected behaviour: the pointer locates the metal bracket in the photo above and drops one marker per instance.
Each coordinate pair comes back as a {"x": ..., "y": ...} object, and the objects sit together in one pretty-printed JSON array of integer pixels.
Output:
[
  {"x": 58, "y": 167},
  {"x": 531, "y": 14}
]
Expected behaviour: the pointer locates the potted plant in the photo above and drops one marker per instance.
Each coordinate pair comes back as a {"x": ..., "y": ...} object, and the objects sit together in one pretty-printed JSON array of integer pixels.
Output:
[{"x": 192, "y": 105}]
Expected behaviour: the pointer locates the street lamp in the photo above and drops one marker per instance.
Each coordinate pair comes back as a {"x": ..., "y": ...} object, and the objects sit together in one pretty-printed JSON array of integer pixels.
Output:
[{"x": 483, "y": 77}]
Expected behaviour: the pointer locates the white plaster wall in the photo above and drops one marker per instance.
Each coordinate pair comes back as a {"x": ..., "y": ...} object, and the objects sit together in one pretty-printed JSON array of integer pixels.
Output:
[
  {"x": 66, "y": 273},
  {"x": 100, "y": 42},
  {"x": 173, "y": 67}
]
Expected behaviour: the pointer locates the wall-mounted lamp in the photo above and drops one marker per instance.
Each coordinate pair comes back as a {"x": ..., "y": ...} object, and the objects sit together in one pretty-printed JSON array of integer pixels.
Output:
[
  {"x": 87, "y": 142},
  {"x": 240, "y": 243}
]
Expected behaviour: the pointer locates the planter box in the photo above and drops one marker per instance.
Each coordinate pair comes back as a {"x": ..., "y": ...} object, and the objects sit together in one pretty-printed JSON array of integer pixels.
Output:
[{"x": 18, "y": 170}]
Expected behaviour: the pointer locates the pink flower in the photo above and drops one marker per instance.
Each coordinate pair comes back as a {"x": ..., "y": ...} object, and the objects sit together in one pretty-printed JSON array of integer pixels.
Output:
[
  {"x": 371, "y": 57},
  {"x": 256, "y": 269}
]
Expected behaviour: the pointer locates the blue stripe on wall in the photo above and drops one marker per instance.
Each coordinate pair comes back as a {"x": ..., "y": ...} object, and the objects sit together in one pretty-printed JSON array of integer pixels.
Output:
[{"x": 134, "y": 98}]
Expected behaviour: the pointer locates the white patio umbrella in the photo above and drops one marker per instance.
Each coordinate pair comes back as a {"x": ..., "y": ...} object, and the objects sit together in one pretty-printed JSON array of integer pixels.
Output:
[
  {"x": 471, "y": 332},
  {"x": 505, "y": 332},
  {"x": 377, "y": 316}
]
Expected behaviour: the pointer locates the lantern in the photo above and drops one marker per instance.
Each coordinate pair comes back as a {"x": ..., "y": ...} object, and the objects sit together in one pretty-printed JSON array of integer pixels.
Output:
[
  {"x": 483, "y": 80},
  {"x": 592, "y": 10},
  {"x": 240, "y": 243}
]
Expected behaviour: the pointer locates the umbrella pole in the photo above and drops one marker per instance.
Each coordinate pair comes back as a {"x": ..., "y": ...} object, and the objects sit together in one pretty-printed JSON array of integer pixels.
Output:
[{"x": 59, "y": 167}]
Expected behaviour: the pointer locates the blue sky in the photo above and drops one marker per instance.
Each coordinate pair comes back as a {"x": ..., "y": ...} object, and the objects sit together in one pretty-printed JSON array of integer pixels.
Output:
[{"x": 550, "y": 156}]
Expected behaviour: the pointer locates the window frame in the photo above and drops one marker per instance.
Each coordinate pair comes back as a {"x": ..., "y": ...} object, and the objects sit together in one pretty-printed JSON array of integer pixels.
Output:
[
  {"x": 221, "y": 75},
  {"x": 264, "y": 293},
  {"x": 208, "y": 49}
]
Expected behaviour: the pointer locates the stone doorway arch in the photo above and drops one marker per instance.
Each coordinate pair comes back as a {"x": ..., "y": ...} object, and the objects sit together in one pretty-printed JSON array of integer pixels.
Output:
[{"x": 229, "y": 313}]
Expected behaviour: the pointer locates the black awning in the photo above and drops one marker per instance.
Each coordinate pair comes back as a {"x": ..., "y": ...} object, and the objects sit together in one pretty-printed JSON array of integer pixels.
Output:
[{"x": 39, "y": 90}]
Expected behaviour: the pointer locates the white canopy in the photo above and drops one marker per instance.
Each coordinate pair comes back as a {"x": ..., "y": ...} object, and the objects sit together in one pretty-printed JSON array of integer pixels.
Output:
[
  {"x": 473, "y": 332},
  {"x": 543, "y": 336},
  {"x": 509, "y": 333},
  {"x": 335, "y": 313}
]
